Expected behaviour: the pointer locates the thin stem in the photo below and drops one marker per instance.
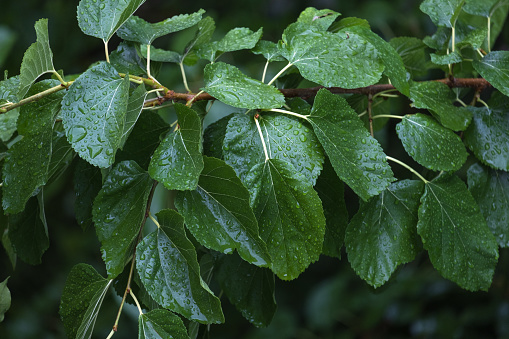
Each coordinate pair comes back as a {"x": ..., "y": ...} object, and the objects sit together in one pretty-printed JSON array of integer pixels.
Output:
[
  {"x": 489, "y": 34},
  {"x": 370, "y": 114},
  {"x": 184, "y": 78},
  {"x": 154, "y": 220},
  {"x": 106, "y": 52},
  {"x": 483, "y": 102},
  {"x": 148, "y": 62},
  {"x": 62, "y": 81},
  {"x": 190, "y": 101},
  {"x": 265, "y": 71},
  {"x": 461, "y": 102},
  {"x": 35, "y": 97},
  {"x": 453, "y": 38},
  {"x": 408, "y": 168},
  {"x": 385, "y": 94},
  {"x": 111, "y": 334},
  {"x": 136, "y": 301},
  {"x": 388, "y": 116},
  {"x": 287, "y": 112},
  {"x": 280, "y": 72},
  {"x": 480, "y": 53},
  {"x": 256, "y": 117}
]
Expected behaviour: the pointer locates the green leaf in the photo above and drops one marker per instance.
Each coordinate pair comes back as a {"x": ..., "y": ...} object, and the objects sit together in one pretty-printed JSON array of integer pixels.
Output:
[
  {"x": 5, "y": 299},
  {"x": 118, "y": 212},
  {"x": 269, "y": 50},
  {"x": 447, "y": 59},
  {"x": 178, "y": 162},
  {"x": 101, "y": 19},
  {"x": 412, "y": 52},
  {"x": 318, "y": 19},
  {"x": 290, "y": 216},
  {"x": 160, "y": 55},
  {"x": 348, "y": 22},
  {"x": 490, "y": 189},
  {"x": 438, "y": 98},
  {"x": 482, "y": 8},
  {"x": 28, "y": 162},
  {"x": 442, "y": 12},
  {"x": 356, "y": 157},
  {"x": 235, "y": 40},
  {"x": 219, "y": 216},
  {"x": 81, "y": 301},
  {"x": 249, "y": 288},
  {"x": 125, "y": 59},
  {"x": 332, "y": 60},
  {"x": 161, "y": 324},
  {"x": 93, "y": 113},
  {"x": 167, "y": 264},
  {"x": 382, "y": 235},
  {"x": 9, "y": 93},
  {"x": 138, "y": 30},
  {"x": 61, "y": 153},
  {"x": 213, "y": 137},
  {"x": 430, "y": 144},
  {"x": 30, "y": 222},
  {"x": 38, "y": 59},
  {"x": 494, "y": 67},
  {"x": 286, "y": 139},
  {"x": 206, "y": 28},
  {"x": 134, "y": 107},
  {"x": 228, "y": 84},
  {"x": 488, "y": 135},
  {"x": 331, "y": 192},
  {"x": 454, "y": 232},
  {"x": 87, "y": 184}
]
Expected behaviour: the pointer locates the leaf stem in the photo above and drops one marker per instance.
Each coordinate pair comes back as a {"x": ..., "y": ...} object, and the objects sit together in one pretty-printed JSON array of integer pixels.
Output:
[
  {"x": 111, "y": 334},
  {"x": 154, "y": 220},
  {"x": 184, "y": 78},
  {"x": 190, "y": 101},
  {"x": 265, "y": 70},
  {"x": 489, "y": 33},
  {"x": 461, "y": 102},
  {"x": 36, "y": 97},
  {"x": 407, "y": 167},
  {"x": 483, "y": 102},
  {"x": 286, "y": 112},
  {"x": 106, "y": 52},
  {"x": 388, "y": 116},
  {"x": 280, "y": 72},
  {"x": 256, "y": 117},
  {"x": 370, "y": 114},
  {"x": 453, "y": 38},
  {"x": 148, "y": 61},
  {"x": 136, "y": 301}
]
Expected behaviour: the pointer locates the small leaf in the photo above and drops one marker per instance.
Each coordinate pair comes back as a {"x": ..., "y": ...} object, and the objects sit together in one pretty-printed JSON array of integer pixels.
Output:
[
  {"x": 134, "y": 107},
  {"x": 318, "y": 19},
  {"x": 249, "y": 288},
  {"x": 235, "y": 40},
  {"x": 125, "y": 59},
  {"x": 447, "y": 59},
  {"x": 269, "y": 50},
  {"x": 219, "y": 216},
  {"x": 412, "y": 52},
  {"x": 213, "y": 137},
  {"x": 160, "y": 55},
  {"x": 430, "y": 144},
  {"x": 8, "y": 93},
  {"x": 454, "y": 232},
  {"x": 482, "y": 8},
  {"x": 87, "y": 184},
  {"x": 490, "y": 189},
  {"x": 228, "y": 84},
  {"x": 161, "y": 323},
  {"x": 93, "y": 113},
  {"x": 438, "y": 98},
  {"x": 382, "y": 235},
  {"x": 167, "y": 264},
  {"x": 5, "y": 299},
  {"x": 118, "y": 212},
  {"x": 101, "y": 19},
  {"x": 442, "y": 12},
  {"x": 356, "y": 157},
  {"x": 290, "y": 216},
  {"x": 81, "y": 301},
  {"x": 348, "y": 22},
  {"x": 494, "y": 67},
  {"x": 178, "y": 162},
  {"x": 206, "y": 28}
]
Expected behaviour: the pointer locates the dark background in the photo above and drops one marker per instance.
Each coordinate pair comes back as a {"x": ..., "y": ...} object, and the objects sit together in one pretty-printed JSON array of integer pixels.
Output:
[{"x": 326, "y": 301}]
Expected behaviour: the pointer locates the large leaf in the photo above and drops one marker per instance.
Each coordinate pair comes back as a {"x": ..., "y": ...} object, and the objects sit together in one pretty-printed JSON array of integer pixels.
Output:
[
  {"x": 101, "y": 19},
  {"x": 249, "y": 288},
  {"x": 81, "y": 301},
  {"x": 228, "y": 84},
  {"x": 494, "y": 67},
  {"x": 28, "y": 162},
  {"x": 382, "y": 235},
  {"x": 286, "y": 139},
  {"x": 442, "y": 12},
  {"x": 93, "y": 113},
  {"x": 9, "y": 93},
  {"x": 290, "y": 216},
  {"x": 438, "y": 98},
  {"x": 118, "y": 212},
  {"x": 87, "y": 184},
  {"x": 453, "y": 231},
  {"x": 356, "y": 157},
  {"x": 412, "y": 52},
  {"x": 38, "y": 59},
  {"x": 138, "y": 30},
  {"x": 178, "y": 162},
  {"x": 430, "y": 144},
  {"x": 488, "y": 135},
  {"x": 219, "y": 216},
  {"x": 213, "y": 137},
  {"x": 134, "y": 107},
  {"x": 125, "y": 59},
  {"x": 167, "y": 264},
  {"x": 206, "y": 28},
  {"x": 5, "y": 299},
  {"x": 161, "y": 324},
  {"x": 333, "y": 60},
  {"x": 490, "y": 189}
]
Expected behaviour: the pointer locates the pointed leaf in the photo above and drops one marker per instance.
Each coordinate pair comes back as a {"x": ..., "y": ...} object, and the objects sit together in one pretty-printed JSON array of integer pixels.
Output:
[
  {"x": 219, "y": 216},
  {"x": 490, "y": 189},
  {"x": 27, "y": 165},
  {"x": 5, "y": 299},
  {"x": 81, "y": 301},
  {"x": 494, "y": 67},
  {"x": 430, "y": 144},
  {"x": 8, "y": 93},
  {"x": 206, "y": 28},
  {"x": 290, "y": 216},
  {"x": 356, "y": 157},
  {"x": 235, "y": 40},
  {"x": 249, "y": 288},
  {"x": 269, "y": 50},
  {"x": 101, "y": 19},
  {"x": 318, "y": 19},
  {"x": 167, "y": 264},
  {"x": 161, "y": 324},
  {"x": 125, "y": 59},
  {"x": 286, "y": 139},
  {"x": 38, "y": 59},
  {"x": 228, "y": 84},
  {"x": 87, "y": 184},
  {"x": 442, "y": 12},
  {"x": 382, "y": 235},
  {"x": 134, "y": 107},
  {"x": 118, "y": 212},
  {"x": 178, "y": 162},
  {"x": 447, "y": 59},
  {"x": 454, "y": 232}
]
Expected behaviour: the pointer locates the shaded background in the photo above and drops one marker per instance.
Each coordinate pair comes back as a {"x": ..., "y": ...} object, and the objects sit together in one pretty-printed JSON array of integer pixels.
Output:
[{"x": 328, "y": 300}]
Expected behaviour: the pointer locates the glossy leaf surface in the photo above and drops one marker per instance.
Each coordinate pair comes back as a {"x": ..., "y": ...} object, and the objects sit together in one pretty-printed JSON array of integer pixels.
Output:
[
  {"x": 87, "y": 184},
  {"x": 494, "y": 67},
  {"x": 8, "y": 93},
  {"x": 161, "y": 323},
  {"x": 235, "y": 40},
  {"x": 442, "y": 12}
]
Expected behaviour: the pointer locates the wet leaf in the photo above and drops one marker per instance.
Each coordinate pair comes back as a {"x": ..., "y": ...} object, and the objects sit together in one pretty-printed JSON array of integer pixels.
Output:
[
  {"x": 412, "y": 52},
  {"x": 290, "y": 216},
  {"x": 125, "y": 59},
  {"x": 206, "y": 28},
  {"x": 235, "y": 40},
  {"x": 161, "y": 323},
  {"x": 134, "y": 107},
  {"x": 118, "y": 211},
  {"x": 382, "y": 235},
  {"x": 168, "y": 267},
  {"x": 269, "y": 50},
  {"x": 482, "y": 8},
  {"x": 453, "y": 231},
  {"x": 494, "y": 67},
  {"x": 442, "y": 12},
  {"x": 446, "y": 59},
  {"x": 5, "y": 299},
  {"x": 213, "y": 137},
  {"x": 87, "y": 184},
  {"x": 318, "y": 19},
  {"x": 430, "y": 144},
  {"x": 9, "y": 93}
]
